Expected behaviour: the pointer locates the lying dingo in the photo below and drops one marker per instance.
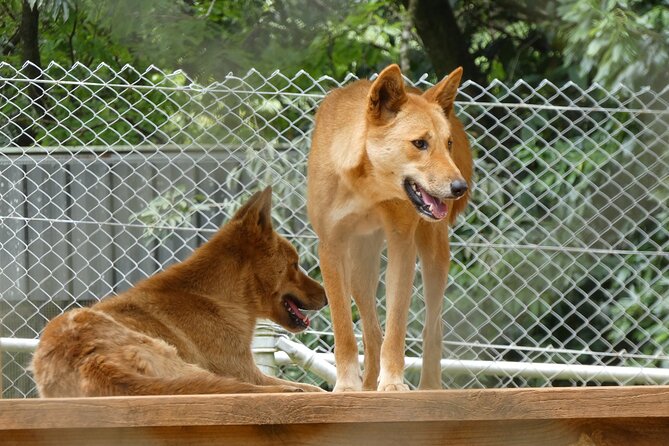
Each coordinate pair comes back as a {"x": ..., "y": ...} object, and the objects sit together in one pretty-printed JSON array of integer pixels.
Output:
[
  {"x": 188, "y": 329},
  {"x": 390, "y": 163}
]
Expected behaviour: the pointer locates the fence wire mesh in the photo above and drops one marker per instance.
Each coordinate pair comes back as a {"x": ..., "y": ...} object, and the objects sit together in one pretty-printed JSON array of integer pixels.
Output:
[{"x": 107, "y": 176}]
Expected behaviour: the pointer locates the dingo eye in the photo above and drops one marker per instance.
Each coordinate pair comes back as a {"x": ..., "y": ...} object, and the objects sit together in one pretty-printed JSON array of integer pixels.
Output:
[
  {"x": 296, "y": 266},
  {"x": 420, "y": 144},
  {"x": 450, "y": 145}
]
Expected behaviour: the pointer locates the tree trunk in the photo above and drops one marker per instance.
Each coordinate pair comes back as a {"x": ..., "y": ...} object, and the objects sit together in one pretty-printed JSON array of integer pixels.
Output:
[
  {"x": 29, "y": 35},
  {"x": 407, "y": 24},
  {"x": 443, "y": 41}
]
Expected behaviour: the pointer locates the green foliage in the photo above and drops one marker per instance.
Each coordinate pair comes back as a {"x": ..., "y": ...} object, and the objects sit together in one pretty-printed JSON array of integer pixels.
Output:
[
  {"x": 605, "y": 41},
  {"x": 617, "y": 41},
  {"x": 79, "y": 114},
  {"x": 54, "y": 8},
  {"x": 366, "y": 40},
  {"x": 209, "y": 39},
  {"x": 608, "y": 41},
  {"x": 511, "y": 40},
  {"x": 172, "y": 209}
]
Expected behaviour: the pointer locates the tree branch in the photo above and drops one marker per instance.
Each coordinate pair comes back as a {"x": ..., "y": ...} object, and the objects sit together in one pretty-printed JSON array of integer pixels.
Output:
[{"x": 7, "y": 10}]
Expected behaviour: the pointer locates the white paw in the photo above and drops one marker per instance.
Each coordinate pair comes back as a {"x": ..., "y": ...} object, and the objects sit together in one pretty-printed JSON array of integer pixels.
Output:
[{"x": 393, "y": 387}]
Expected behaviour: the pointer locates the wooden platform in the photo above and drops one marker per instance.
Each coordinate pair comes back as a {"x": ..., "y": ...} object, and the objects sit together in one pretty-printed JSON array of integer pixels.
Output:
[{"x": 545, "y": 417}]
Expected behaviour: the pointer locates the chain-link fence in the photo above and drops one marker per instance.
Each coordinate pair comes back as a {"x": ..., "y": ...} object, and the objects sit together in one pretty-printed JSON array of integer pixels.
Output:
[{"x": 561, "y": 261}]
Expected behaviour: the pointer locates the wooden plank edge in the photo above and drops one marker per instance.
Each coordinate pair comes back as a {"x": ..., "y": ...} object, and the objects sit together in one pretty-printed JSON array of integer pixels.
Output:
[
  {"x": 609, "y": 432},
  {"x": 359, "y": 407}
]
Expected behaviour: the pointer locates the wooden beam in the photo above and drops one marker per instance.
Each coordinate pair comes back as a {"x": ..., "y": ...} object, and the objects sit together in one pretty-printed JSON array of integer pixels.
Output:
[{"x": 557, "y": 416}]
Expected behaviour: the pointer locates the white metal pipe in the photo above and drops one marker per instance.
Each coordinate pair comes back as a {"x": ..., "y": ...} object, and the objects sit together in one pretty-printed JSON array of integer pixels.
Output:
[
  {"x": 18, "y": 344},
  {"x": 305, "y": 357},
  {"x": 627, "y": 375},
  {"x": 321, "y": 364}
]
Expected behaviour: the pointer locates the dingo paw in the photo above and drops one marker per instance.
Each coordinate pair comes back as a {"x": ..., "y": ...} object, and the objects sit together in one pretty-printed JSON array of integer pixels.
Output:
[
  {"x": 395, "y": 387},
  {"x": 344, "y": 387}
]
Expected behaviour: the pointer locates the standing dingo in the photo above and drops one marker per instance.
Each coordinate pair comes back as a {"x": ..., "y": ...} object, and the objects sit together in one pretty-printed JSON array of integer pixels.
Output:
[{"x": 390, "y": 163}]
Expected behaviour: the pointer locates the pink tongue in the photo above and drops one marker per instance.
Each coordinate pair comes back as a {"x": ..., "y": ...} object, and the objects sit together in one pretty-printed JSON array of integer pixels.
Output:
[
  {"x": 438, "y": 208},
  {"x": 298, "y": 312}
]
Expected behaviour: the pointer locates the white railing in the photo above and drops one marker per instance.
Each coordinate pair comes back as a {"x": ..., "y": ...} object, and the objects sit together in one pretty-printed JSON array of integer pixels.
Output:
[{"x": 272, "y": 349}]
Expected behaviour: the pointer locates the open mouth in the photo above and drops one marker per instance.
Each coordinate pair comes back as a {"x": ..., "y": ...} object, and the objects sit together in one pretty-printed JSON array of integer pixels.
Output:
[
  {"x": 292, "y": 305},
  {"x": 425, "y": 203}
]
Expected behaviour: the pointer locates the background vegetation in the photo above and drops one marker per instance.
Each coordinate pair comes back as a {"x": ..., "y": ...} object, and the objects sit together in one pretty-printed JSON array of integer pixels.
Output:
[{"x": 606, "y": 41}]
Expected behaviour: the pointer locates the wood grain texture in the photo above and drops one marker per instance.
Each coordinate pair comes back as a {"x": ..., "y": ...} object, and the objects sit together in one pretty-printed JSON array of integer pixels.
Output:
[
  {"x": 603, "y": 416},
  {"x": 609, "y": 432}
]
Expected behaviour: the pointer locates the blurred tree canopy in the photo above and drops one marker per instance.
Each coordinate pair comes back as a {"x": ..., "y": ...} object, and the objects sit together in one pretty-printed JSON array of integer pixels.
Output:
[{"x": 607, "y": 41}]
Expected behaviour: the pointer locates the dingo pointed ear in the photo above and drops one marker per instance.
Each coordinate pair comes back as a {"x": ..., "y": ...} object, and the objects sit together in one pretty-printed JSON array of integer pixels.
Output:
[
  {"x": 265, "y": 209},
  {"x": 258, "y": 209},
  {"x": 387, "y": 94},
  {"x": 445, "y": 91}
]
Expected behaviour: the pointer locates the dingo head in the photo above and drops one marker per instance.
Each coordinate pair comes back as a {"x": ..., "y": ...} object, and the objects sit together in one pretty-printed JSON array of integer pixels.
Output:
[
  {"x": 416, "y": 146},
  {"x": 281, "y": 287}
]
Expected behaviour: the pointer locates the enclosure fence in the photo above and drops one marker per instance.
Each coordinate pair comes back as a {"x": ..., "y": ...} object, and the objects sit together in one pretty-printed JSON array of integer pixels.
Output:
[{"x": 560, "y": 263}]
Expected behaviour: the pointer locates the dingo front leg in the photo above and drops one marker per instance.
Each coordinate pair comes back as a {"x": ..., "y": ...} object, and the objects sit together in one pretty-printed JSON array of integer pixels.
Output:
[
  {"x": 433, "y": 249},
  {"x": 335, "y": 269},
  {"x": 399, "y": 283},
  {"x": 365, "y": 259}
]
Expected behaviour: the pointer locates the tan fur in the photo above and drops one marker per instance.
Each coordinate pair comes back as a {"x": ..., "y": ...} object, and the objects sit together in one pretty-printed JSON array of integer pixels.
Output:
[
  {"x": 362, "y": 152},
  {"x": 188, "y": 329}
]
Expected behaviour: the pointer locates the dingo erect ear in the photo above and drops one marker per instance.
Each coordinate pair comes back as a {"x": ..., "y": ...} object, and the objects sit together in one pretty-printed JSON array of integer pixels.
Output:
[
  {"x": 445, "y": 91},
  {"x": 258, "y": 207},
  {"x": 387, "y": 94}
]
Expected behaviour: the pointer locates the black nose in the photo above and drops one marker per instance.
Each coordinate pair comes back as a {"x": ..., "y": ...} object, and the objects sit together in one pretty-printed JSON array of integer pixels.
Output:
[{"x": 458, "y": 187}]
